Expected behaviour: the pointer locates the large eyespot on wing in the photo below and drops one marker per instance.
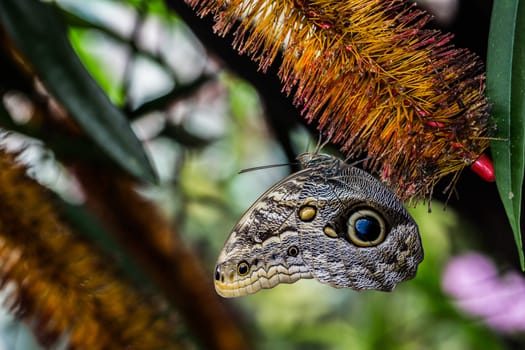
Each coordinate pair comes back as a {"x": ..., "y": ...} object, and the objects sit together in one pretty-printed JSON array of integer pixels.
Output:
[
  {"x": 368, "y": 250},
  {"x": 366, "y": 227}
]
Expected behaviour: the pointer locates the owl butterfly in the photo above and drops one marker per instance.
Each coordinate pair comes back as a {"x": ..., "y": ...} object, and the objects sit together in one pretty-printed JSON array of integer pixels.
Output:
[{"x": 330, "y": 221}]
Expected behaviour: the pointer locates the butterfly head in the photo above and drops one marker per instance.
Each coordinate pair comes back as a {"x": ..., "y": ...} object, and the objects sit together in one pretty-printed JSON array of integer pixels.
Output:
[{"x": 314, "y": 160}]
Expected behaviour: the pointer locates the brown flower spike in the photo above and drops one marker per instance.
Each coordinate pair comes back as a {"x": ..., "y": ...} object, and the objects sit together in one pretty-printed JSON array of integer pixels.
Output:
[
  {"x": 60, "y": 284},
  {"x": 376, "y": 81}
]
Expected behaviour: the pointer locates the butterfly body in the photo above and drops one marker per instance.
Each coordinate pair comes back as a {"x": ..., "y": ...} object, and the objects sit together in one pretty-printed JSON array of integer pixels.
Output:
[{"x": 330, "y": 221}]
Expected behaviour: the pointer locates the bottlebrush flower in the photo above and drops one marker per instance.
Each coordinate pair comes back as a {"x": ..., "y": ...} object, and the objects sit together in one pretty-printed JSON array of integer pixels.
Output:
[{"x": 377, "y": 83}]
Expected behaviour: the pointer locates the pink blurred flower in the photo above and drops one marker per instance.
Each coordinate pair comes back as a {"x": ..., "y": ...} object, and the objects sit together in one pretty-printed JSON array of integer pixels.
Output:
[{"x": 478, "y": 289}]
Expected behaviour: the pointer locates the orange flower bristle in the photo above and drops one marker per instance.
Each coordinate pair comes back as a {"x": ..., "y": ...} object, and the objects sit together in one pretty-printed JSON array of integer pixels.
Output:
[{"x": 377, "y": 82}]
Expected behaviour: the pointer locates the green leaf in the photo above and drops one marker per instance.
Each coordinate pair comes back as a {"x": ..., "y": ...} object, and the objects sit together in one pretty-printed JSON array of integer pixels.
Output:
[
  {"x": 38, "y": 31},
  {"x": 506, "y": 89}
]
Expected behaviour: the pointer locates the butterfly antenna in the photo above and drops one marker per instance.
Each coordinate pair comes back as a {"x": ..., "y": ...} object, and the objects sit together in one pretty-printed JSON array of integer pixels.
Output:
[
  {"x": 319, "y": 145},
  {"x": 308, "y": 145},
  {"x": 266, "y": 167},
  {"x": 356, "y": 162}
]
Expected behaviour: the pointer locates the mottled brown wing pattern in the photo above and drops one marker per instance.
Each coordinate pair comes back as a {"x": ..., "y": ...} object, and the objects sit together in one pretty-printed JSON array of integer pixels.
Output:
[
  {"x": 329, "y": 221},
  {"x": 342, "y": 260}
]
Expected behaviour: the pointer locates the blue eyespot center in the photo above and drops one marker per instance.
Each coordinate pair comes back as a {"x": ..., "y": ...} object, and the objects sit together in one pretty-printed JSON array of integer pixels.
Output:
[{"x": 367, "y": 228}]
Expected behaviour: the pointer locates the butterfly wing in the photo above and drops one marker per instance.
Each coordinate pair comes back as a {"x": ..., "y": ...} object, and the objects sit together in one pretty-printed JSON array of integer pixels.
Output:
[
  {"x": 260, "y": 251},
  {"x": 361, "y": 235},
  {"x": 330, "y": 221}
]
